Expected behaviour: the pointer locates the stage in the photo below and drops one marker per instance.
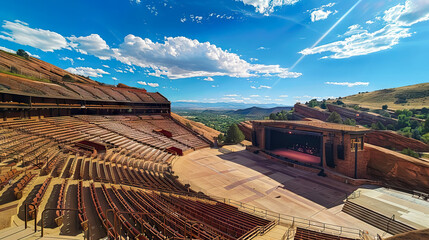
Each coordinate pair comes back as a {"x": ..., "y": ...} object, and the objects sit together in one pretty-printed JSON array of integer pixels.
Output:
[{"x": 296, "y": 156}]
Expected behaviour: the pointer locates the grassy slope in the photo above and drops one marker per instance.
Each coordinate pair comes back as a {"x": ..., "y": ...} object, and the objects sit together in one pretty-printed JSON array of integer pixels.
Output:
[{"x": 378, "y": 98}]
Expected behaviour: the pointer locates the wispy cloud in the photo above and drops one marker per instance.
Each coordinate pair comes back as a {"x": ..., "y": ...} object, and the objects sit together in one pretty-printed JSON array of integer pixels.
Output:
[
  {"x": 348, "y": 84},
  {"x": 67, "y": 59},
  {"x": 87, "y": 71},
  {"x": 320, "y": 13},
  {"x": 261, "y": 87},
  {"x": 396, "y": 25},
  {"x": 266, "y": 7},
  {"x": 21, "y": 33},
  {"x": 148, "y": 84}
]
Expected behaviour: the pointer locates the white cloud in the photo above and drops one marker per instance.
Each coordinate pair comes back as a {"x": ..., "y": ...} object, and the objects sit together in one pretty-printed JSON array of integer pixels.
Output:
[
  {"x": 80, "y": 59},
  {"x": 114, "y": 78},
  {"x": 261, "y": 87},
  {"x": 148, "y": 84},
  {"x": 283, "y": 96},
  {"x": 181, "y": 57},
  {"x": 33, "y": 55},
  {"x": 231, "y": 95},
  {"x": 106, "y": 66},
  {"x": 187, "y": 100},
  {"x": 12, "y": 51},
  {"x": 262, "y": 48},
  {"x": 7, "y": 50},
  {"x": 153, "y": 84},
  {"x": 183, "y": 20},
  {"x": 67, "y": 59},
  {"x": 397, "y": 23},
  {"x": 308, "y": 98},
  {"x": 369, "y": 22},
  {"x": 215, "y": 85},
  {"x": 320, "y": 13},
  {"x": 197, "y": 19},
  {"x": 209, "y": 79},
  {"x": 87, "y": 71},
  {"x": 44, "y": 40},
  {"x": 266, "y": 7},
  {"x": 253, "y": 59},
  {"x": 254, "y": 96},
  {"x": 118, "y": 70},
  {"x": 348, "y": 84},
  {"x": 92, "y": 44}
]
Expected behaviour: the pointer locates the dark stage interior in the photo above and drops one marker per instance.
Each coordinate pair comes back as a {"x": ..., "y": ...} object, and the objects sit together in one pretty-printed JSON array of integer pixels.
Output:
[{"x": 301, "y": 146}]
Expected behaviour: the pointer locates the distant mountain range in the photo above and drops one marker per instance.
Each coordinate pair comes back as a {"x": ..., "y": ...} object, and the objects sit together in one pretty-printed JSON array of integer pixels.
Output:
[
  {"x": 257, "y": 111},
  {"x": 220, "y": 106}
]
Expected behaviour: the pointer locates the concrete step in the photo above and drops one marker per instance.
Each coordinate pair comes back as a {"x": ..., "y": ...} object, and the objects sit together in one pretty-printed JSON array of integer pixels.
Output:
[{"x": 375, "y": 219}]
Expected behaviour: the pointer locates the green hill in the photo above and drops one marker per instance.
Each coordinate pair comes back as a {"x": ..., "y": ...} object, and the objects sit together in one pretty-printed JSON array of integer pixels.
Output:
[{"x": 407, "y": 97}]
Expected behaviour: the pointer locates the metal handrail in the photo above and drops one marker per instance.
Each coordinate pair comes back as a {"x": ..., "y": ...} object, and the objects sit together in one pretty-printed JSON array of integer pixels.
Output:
[{"x": 288, "y": 219}]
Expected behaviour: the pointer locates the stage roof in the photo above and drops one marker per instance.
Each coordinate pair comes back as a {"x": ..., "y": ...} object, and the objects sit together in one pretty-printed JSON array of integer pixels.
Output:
[{"x": 316, "y": 125}]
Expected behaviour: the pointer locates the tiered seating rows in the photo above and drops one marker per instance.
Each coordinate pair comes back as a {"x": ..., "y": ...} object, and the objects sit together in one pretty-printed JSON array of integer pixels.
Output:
[
  {"x": 4, "y": 179},
  {"x": 22, "y": 184},
  {"x": 39, "y": 196},
  {"x": 61, "y": 200},
  {"x": 306, "y": 234}
]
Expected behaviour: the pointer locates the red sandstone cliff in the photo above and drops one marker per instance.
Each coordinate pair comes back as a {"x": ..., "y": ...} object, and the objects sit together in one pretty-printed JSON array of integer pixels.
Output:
[
  {"x": 246, "y": 128},
  {"x": 397, "y": 169},
  {"x": 37, "y": 68},
  {"x": 392, "y": 140},
  {"x": 199, "y": 128},
  {"x": 308, "y": 112}
]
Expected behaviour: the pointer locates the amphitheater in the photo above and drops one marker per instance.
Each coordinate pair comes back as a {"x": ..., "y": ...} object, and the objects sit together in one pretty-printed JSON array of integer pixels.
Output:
[{"x": 81, "y": 161}]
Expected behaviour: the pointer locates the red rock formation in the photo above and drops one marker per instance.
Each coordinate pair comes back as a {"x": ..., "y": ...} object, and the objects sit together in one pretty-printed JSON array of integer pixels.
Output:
[
  {"x": 392, "y": 140},
  {"x": 246, "y": 128},
  {"x": 309, "y": 112},
  {"x": 360, "y": 116},
  {"x": 37, "y": 68},
  {"x": 397, "y": 169}
]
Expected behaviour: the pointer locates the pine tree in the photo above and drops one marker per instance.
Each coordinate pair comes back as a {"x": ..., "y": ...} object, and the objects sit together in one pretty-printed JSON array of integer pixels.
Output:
[{"x": 234, "y": 135}]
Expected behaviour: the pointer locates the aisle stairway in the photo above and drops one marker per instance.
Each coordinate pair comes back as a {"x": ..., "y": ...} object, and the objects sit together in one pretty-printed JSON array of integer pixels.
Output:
[{"x": 390, "y": 225}]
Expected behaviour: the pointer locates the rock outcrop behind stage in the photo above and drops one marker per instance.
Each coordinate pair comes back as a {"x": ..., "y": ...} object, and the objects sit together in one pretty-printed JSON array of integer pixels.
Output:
[
  {"x": 246, "y": 128},
  {"x": 308, "y": 112},
  {"x": 394, "y": 141},
  {"x": 199, "y": 128},
  {"x": 397, "y": 169}
]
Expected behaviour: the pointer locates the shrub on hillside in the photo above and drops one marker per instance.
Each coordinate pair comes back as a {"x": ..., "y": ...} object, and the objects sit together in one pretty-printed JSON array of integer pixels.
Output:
[
  {"x": 221, "y": 138},
  {"x": 334, "y": 118},
  {"x": 425, "y": 138},
  {"x": 350, "y": 122},
  {"x": 234, "y": 135},
  {"x": 384, "y": 107},
  {"x": 22, "y": 53},
  {"x": 67, "y": 78},
  {"x": 410, "y": 153}
]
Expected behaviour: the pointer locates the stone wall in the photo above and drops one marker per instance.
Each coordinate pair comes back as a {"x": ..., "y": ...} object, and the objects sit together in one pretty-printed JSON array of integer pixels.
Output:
[
  {"x": 397, "y": 169},
  {"x": 394, "y": 141}
]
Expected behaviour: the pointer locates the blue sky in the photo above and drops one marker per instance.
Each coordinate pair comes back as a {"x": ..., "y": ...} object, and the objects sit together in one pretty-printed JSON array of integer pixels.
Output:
[{"x": 254, "y": 51}]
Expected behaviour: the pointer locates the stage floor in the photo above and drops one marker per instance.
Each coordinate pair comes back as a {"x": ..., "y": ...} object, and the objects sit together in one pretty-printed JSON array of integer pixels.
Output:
[{"x": 297, "y": 156}]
